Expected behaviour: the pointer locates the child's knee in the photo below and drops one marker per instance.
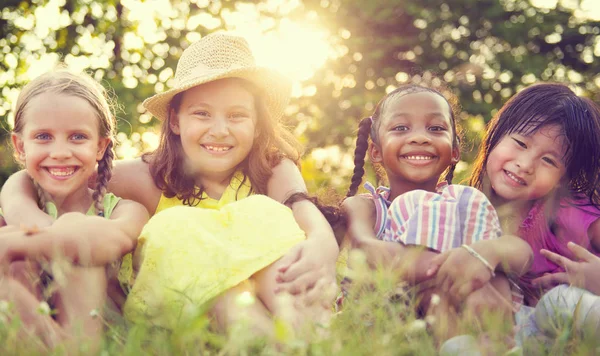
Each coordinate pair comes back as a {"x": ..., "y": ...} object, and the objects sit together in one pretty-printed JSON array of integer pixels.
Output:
[{"x": 20, "y": 269}]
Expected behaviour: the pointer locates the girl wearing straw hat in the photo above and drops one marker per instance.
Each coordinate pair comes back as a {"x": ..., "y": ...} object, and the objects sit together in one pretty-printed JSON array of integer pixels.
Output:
[{"x": 214, "y": 184}]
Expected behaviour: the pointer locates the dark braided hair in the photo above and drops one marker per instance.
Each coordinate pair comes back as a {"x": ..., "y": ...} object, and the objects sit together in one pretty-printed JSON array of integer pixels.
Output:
[
  {"x": 362, "y": 144},
  {"x": 369, "y": 127},
  {"x": 334, "y": 214}
]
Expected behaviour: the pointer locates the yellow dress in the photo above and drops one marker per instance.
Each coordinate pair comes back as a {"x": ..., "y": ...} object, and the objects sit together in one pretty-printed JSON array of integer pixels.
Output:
[{"x": 190, "y": 255}]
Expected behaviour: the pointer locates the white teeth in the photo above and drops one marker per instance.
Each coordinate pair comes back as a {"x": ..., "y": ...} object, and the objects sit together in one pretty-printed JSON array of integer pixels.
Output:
[
  {"x": 217, "y": 148},
  {"x": 61, "y": 172},
  {"x": 515, "y": 178},
  {"x": 423, "y": 158}
]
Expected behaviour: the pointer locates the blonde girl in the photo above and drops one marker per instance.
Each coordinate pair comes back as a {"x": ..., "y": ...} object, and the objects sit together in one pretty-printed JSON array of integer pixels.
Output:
[
  {"x": 216, "y": 183},
  {"x": 63, "y": 130}
]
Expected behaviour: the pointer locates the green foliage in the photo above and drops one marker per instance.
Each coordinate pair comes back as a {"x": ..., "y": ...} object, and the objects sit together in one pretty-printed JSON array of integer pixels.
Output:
[{"x": 484, "y": 51}]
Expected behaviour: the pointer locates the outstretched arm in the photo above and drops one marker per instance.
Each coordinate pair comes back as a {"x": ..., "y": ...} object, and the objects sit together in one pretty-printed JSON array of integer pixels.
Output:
[
  {"x": 19, "y": 202},
  {"x": 412, "y": 261},
  {"x": 84, "y": 240}
]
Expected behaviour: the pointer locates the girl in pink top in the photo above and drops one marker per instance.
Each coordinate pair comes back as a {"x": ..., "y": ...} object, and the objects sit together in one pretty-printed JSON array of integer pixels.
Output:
[{"x": 539, "y": 165}]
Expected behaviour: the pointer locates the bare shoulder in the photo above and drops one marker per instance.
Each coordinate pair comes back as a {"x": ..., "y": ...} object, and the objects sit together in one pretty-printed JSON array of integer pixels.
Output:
[
  {"x": 131, "y": 180},
  {"x": 358, "y": 204},
  {"x": 285, "y": 180}
]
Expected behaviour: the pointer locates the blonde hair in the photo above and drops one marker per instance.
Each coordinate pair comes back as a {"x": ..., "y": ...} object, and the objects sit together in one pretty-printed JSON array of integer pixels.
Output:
[{"x": 63, "y": 81}]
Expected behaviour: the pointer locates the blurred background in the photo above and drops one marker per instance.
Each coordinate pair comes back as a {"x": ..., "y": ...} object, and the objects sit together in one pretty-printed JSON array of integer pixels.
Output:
[{"x": 342, "y": 55}]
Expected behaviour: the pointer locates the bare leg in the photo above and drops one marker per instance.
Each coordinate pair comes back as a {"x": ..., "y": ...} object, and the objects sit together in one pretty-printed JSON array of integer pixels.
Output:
[
  {"x": 26, "y": 307},
  {"x": 230, "y": 309},
  {"x": 28, "y": 274},
  {"x": 82, "y": 291}
]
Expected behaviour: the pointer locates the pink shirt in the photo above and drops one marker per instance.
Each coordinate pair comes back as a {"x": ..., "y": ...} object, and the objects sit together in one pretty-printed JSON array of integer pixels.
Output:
[{"x": 571, "y": 224}]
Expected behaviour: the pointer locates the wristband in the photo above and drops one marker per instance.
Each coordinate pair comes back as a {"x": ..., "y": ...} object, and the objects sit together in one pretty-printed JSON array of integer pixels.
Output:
[{"x": 480, "y": 258}]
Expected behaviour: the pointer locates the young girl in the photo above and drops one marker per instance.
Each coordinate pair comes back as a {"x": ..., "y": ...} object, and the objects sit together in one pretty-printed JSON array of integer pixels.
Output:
[
  {"x": 221, "y": 142},
  {"x": 414, "y": 139},
  {"x": 540, "y": 160},
  {"x": 63, "y": 129}
]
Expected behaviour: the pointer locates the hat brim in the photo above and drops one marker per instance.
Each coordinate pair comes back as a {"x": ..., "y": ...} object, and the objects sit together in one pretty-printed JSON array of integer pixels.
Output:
[{"x": 275, "y": 86}]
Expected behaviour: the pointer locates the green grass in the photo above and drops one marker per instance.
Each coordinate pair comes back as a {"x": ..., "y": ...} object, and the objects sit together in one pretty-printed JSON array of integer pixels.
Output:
[{"x": 370, "y": 323}]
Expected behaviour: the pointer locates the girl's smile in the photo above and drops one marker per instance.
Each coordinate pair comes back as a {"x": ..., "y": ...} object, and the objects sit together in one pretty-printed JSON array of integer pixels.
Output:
[
  {"x": 60, "y": 143},
  {"x": 416, "y": 141},
  {"x": 216, "y": 123},
  {"x": 527, "y": 167},
  {"x": 61, "y": 172}
]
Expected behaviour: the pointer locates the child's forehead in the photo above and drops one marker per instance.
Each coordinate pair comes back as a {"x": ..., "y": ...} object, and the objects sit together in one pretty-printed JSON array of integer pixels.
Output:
[{"x": 421, "y": 103}]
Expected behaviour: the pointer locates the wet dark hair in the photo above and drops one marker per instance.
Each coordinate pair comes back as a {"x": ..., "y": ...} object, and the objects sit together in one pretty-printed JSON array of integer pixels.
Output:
[
  {"x": 551, "y": 104},
  {"x": 369, "y": 128}
]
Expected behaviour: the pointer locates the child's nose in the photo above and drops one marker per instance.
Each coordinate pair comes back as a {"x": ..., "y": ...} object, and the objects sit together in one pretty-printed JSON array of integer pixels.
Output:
[
  {"x": 61, "y": 151},
  {"x": 525, "y": 164},
  {"x": 419, "y": 138},
  {"x": 219, "y": 127}
]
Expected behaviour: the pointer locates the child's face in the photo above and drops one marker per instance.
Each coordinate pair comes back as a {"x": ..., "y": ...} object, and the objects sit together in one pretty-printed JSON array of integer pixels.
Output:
[
  {"x": 527, "y": 167},
  {"x": 60, "y": 144},
  {"x": 217, "y": 125},
  {"x": 416, "y": 139}
]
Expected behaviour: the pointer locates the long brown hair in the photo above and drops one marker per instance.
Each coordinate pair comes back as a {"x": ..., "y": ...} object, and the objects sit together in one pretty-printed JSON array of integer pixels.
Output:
[
  {"x": 62, "y": 81},
  {"x": 272, "y": 144}
]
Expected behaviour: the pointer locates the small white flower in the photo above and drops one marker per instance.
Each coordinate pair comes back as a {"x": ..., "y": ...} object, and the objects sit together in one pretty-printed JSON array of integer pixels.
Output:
[
  {"x": 430, "y": 319},
  {"x": 245, "y": 299},
  {"x": 94, "y": 313},
  {"x": 4, "y": 306},
  {"x": 417, "y": 326},
  {"x": 44, "y": 308},
  {"x": 435, "y": 299}
]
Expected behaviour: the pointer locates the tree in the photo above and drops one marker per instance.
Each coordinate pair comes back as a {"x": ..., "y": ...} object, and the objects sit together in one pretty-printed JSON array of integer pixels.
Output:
[{"x": 484, "y": 51}]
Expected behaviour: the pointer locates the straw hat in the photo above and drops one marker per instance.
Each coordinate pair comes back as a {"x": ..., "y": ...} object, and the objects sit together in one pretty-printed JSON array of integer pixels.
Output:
[{"x": 219, "y": 56}]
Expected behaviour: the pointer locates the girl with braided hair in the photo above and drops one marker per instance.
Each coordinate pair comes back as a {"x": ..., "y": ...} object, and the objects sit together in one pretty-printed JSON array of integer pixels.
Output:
[
  {"x": 63, "y": 129},
  {"x": 413, "y": 141}
]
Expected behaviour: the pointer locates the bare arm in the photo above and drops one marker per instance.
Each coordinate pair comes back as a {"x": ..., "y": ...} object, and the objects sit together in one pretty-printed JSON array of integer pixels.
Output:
[
  {"x": 84, "y": 240},
  {"x": 19, "y": 202},
  {"x": 286, "y": 180},
  {"x": 131, "y": 180},
  {"x": 313, "y": 260},
  {"x": 594, "y": 235},
  {"x": 413, "y": 261},
  {"x": 509, "y": 254}
]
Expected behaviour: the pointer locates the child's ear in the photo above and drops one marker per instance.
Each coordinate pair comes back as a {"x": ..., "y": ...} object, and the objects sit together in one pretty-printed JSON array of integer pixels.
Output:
[
  {"x": 455, "y": 155},
  {"x": 375, "y": 154},
  {"x": 18, "y": 144},
  {"x": 102, "y": 145},
  {"x": 174, "y": 122}
]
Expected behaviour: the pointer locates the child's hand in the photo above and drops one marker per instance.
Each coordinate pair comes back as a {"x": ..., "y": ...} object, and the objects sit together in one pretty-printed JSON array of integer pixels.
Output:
[
  {"x": 458, "y": 273},
  {"x": 584, "y": 273},
  {"x": 487, "y": 299},
  {"x": 307, "y": 266}
]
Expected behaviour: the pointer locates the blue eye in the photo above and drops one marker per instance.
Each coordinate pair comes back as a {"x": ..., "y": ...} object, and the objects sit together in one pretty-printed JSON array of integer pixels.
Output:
[
  {"x": 79, "y": 137},
  {"x": 43, "y": 136}
]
